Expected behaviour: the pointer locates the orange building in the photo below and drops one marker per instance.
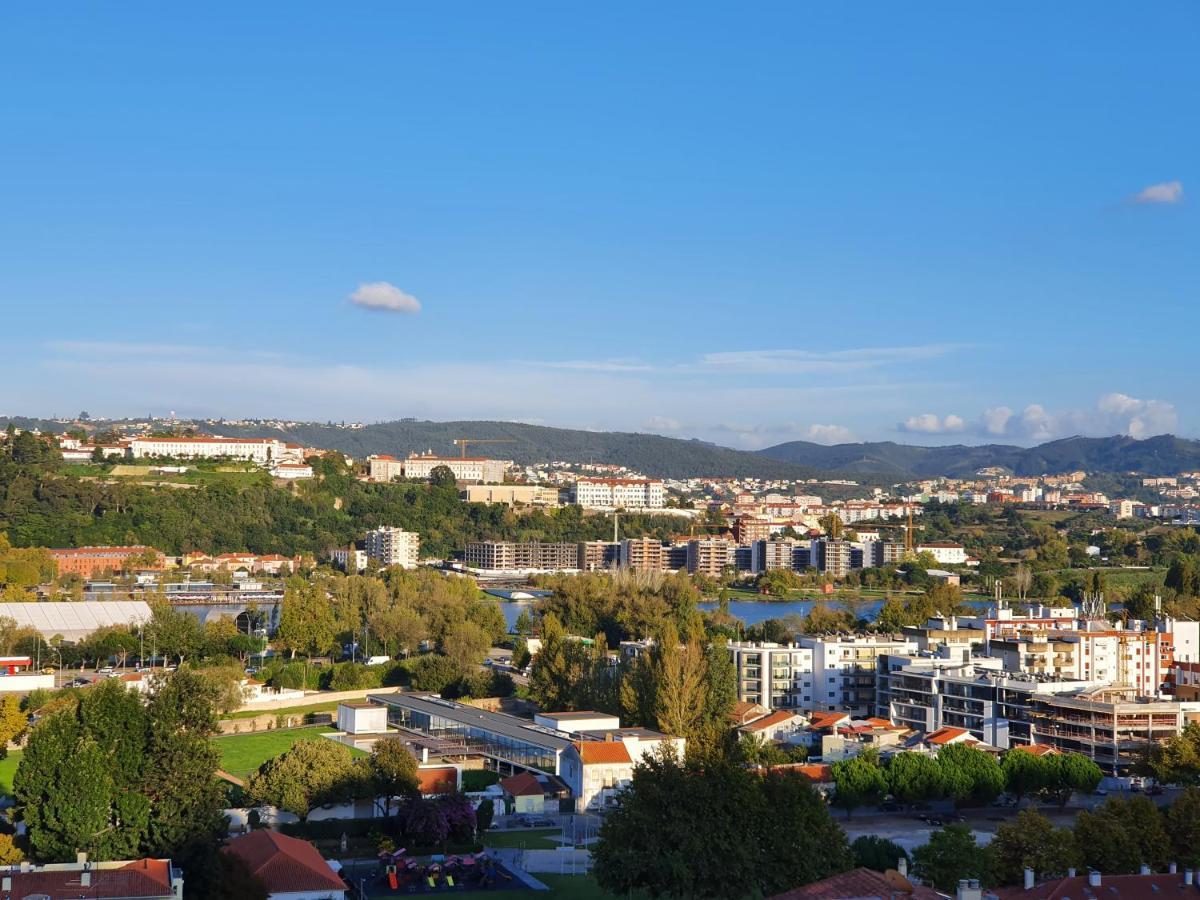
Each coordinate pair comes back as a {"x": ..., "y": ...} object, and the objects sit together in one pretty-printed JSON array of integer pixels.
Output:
[{"x": 91, "y": 561}]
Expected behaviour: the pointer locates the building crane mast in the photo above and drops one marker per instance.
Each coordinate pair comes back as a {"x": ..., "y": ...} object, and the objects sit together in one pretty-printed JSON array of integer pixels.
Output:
[{"x": 462, "y": 443}]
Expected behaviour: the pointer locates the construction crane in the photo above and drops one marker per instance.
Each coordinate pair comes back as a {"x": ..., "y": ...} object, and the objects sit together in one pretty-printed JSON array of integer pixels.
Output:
[{"x": 462, "y": 443}]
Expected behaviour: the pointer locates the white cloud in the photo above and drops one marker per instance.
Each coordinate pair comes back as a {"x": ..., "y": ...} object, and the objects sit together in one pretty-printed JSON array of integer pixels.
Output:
[
  {"x": 804, "y": 362},
  {"x": 829, "y": 434},
  {"x": 383, "y": 296},
  {"x": 1168, "y": 192},
  {"x": 663, "y": 423},
  {"x": 930, "y": 423},
  {"x": 995, "y": 420},
  {"x": 1113, "y": 413}
]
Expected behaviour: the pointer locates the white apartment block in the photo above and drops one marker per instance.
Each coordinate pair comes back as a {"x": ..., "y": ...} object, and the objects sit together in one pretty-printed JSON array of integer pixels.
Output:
[
  {"x": 618, "y": 493},
  {"x": 467, "y": 470},
  {"x": 350, "y": 560},
  {"x": 387, "y": 546},
  {"x": 816, "y": 674},
  {"x": 945, "y": 553},
  {"x": 260, "y": 450}
]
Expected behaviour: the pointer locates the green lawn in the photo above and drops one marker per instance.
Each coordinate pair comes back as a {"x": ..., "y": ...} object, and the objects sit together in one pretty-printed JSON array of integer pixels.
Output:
[
  {"x": 527, "y": 838},
  {"x": 242, "y": 754},
  {"x": 8, "y": 769},
  {"x": 315, "y": 707}
]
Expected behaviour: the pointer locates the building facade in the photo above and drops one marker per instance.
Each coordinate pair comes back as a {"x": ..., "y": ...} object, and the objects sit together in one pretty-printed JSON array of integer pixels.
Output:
[
  {"x": 618, "y": 493},
  {"x": 388, "y": 546}
]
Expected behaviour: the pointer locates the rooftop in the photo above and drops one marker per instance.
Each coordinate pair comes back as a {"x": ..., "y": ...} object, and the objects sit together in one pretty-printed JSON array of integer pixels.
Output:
[{"x": 498, "y": 723}]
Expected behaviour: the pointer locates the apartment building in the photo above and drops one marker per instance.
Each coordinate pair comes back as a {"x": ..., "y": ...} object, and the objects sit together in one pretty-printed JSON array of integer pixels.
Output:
[
  {"x": 832, "y": 558},
  {"x": 815, "y": 674},
  {"x": 388, "y": 546},
  {"x": 91, "y": 561},
  {"x": 599, "y": 555},
  {"x": 466, "y": 469},
  {"x": 946, "y": 553},
  {"x": 618, "y": 493},
  {"x": 644, "y": 554},
  {"x": 507, "y": 555},
  {"x": 1112, "y": 725},
  {"x": 709, "y": 556},
  {"x": 768, "y": 555},
  {"x": 259, "y": 450},
  {"x": 1126, "y": 657}
]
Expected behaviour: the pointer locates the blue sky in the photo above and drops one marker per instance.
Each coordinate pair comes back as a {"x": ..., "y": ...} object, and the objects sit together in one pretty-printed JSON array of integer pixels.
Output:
[{"x": 748, "y": 223}]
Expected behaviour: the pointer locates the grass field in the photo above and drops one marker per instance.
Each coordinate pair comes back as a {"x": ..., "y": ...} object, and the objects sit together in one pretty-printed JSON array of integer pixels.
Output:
[
  {"x": 242, "y": 754},
  {"x": 525, "y": 839},
  {"x": 301, "y": 709},
  {"x": 8, "y": 769}
]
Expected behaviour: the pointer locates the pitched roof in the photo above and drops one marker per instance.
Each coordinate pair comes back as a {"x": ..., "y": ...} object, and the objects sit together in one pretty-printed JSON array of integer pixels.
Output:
[
  {"x": 822, "y": 720},
  {"x": 776, "y": 718},
  {"x": 522, "y": 785},
  {"x": 945, "y": 735},
  {"x": 861, "y": 884},
  {"x": 1112, "y": 887},
  {"x": 1037, "y": 749},
  {"x": 601, "y": 752},
  {"x": 285, "y": 864},
  {"x": 142, "y": 878},
  {"x": 747, "y": 711}
]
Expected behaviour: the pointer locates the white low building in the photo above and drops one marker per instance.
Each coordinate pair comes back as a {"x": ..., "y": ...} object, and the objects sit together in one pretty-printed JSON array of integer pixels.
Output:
[
  {"x": 618, "y": 493},
  {"x": 946, "y": 553}
]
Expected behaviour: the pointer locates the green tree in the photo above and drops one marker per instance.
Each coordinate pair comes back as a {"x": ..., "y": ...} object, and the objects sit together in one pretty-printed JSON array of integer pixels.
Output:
[
  {"x": 393, "y": 770},
  {"x": 914, "y": 777},
  {"x": 13, "y": 721},
  {"x": 970, "y": 775},
  {"x": 763, "y": 834},
  {"x": 311, "y": 773},
  {"x": 1072, "y": 773},
  {"x": 1177, "y": 759},
  {"x": 306, "y": 623},
  {"x": 1025, "y": 773},
  {"x": 1183, "y": 826},
  {"x": 1031, "y": 841},
  {"x": 859, "y": 782},
  {"x": 874, "y": 852},
  {"x": 950, "y": 856},
  {"x": 1122, "y": 834}
]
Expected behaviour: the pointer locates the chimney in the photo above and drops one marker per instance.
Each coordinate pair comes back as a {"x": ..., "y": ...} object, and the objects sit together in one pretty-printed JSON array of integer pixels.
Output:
[
  {"x": 1189, "y": 877},
  {"x": 902, "y": 866},
  {"x": 1144, "y": 870},
  {"x": 969, "y": 890},
  {"x": 1173, "y": 868},
  {"x": 80, "y": 858},
  {"x": 1029, "y": 879},
  {"x": 1071, "y": 872},
  {"x": 1093, "y": 878},
  {"x": 85, "y": 878},
  {"x": 6, "y": 884}
]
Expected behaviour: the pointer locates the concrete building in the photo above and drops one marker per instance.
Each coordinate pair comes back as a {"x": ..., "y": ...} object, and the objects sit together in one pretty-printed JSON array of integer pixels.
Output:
[
  {"x": 511, "y": 494},
  {"x": 832, "y": 558},
  {"x": 618, "y": 493},
  {"x": 945, "y": 552},
  {"x": 88, "y": 562},
  {"x": 769, "y": 555},
  {"x": 509, "y": 556},
  {"x": 599, "y": 555},
  {"x": 1112, "y": 725},
  {"x": 709, "y": 556},
  {"x": 260, "y": 450},
  {"x": 389, "y": 546},
  {"x": 643, "y": 554},
  {"x": 350, "y": 560},
  {"x": 466, "y": 469}
]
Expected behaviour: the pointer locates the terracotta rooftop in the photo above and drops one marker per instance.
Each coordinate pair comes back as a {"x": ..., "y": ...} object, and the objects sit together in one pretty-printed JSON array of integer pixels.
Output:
[
  {"x": 1112, "y": 887},
  {"x": 144, "y": 879},
  {"x": 285, "y": 864},
  {"x": 601, "y": 752},
  {"x": 776, "y": 718},
  {"x": 945, "y": 735},
  {"x": 861, "y": 884},
  {"x": 522, "y": 785}
]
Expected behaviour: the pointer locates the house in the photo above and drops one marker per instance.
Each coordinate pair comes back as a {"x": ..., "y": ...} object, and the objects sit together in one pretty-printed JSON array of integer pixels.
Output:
[
  {"x": 745, "y": 712},
  {"x": 776, "y": 726},
  {"x": 527, "y": 792},
  {"x": 141, "y": 879},
  {"x": 862, "y": 884},
  {"x": 291, "y": 869},
  {"x": 596, "y": 772}
]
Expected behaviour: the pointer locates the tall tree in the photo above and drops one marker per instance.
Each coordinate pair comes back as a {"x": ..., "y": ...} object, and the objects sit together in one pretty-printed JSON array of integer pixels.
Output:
[
  {"x": 914, "y": 777},
  {"x": 1031, "y": 841},
  {"x": 859, "y": 782},
  {"x": 950, "y": 856},
  {"x": 306, "y": 623}
]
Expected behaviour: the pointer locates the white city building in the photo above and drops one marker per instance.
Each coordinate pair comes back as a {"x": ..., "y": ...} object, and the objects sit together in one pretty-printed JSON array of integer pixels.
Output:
[
  {"x": 467, "y": 470},
  {"x": 618, "y": 493},
  {"x": 388, "y": 546},
  {"x": 944, "y": 552},
  {"x": 260, "y": 450}
]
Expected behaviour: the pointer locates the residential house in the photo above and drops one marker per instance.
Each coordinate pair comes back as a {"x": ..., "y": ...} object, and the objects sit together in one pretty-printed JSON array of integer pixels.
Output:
[
  {"x": 291, "y": 869},
  {"x": 141, "y": 879}
]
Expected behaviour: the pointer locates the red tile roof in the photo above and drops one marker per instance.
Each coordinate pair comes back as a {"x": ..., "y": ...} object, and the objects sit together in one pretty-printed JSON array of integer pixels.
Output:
[
  {"x": 143, "y": 879},
  {"x": 1037, "y": 749},
  {"x": 522, "y": 785},
  {"x": 602, "y": 752},
  {"x": 823, "y": 720},
  {"x": 285, "y": 864},
  {"x": 776, "y": 718},
  {"x": 861, "y": 884},
  {"x": 945, "y": 735},
  {"x": 1112, "y": 887}
]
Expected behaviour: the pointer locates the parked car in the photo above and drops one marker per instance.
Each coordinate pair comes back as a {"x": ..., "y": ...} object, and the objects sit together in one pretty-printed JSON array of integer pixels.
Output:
[
  {"x": 48, "y": 670},
  {"x": 105, "y": 670},
  {"x": 535, "y": 822}
]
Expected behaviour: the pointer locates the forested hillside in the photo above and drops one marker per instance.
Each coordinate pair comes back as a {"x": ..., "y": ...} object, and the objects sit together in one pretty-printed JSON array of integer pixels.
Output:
[{"x": 41, "y": 506}]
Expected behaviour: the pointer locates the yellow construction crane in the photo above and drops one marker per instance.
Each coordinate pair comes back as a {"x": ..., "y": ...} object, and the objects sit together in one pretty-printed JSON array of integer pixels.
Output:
[{"x": 462, "y": 443}]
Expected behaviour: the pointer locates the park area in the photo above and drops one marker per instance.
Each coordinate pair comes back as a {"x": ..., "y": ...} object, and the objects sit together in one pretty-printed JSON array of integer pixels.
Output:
[{"x": 242, "y": 754}]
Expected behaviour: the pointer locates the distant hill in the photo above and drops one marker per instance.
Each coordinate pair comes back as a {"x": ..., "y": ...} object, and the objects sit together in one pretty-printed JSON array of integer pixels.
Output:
[
  {"x": 651, "y": 454},
  {"x": 1161, "y": 455}
]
